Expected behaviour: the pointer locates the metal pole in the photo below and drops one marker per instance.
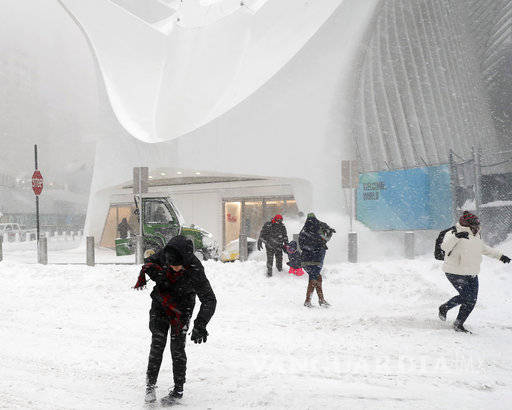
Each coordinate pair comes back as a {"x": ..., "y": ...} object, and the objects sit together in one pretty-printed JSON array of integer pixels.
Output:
[
  {"x": 352, "y": 247},
  {"x": 409, "y": 245},
  {"x": 43, "y": 251},
  {"x": 296, "y": 239},
  {"x": 242, "y": 247},
  {"x": 37, "y": 198},
  {"x": 139, "y": 250},
  {"x": 478, "y": 171},
  {"x": 351, "y": 197},
  {"x": 453, "y": 174},
  {"x": 90, "y": 251},
  {"x": 139, "y": 257}
]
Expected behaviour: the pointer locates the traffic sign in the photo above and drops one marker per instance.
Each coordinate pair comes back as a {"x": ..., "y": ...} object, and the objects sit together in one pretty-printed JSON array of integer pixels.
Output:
[{"x": 37, "y": 182}]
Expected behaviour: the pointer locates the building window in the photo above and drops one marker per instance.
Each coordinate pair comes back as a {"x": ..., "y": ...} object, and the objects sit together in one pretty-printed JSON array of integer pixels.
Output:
[{"x": 247, "y": 215}]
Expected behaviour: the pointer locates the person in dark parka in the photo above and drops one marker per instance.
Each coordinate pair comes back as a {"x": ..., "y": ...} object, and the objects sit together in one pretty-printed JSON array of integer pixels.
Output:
[
  {"x": 312, "y": 242},
  {"x": 273, "y": 234},
  {"x": 124, "y": 228},
  {"x": 179, "y": 276}
]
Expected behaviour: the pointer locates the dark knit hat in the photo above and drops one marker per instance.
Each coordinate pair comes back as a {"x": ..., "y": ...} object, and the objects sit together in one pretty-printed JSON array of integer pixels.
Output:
[
  {"x": 468, "y": 219},
  {"x": 172, "y": 256}
]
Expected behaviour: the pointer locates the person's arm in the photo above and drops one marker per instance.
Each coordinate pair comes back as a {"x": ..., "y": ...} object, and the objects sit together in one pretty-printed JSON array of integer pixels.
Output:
[
  {"x": 208, "y": 304},
  {"x": 491, "y": 252},
  {"x": 263, "y": 236},
  {"x": 206, "y": 297},
  {"x": 285, "y": 236},
  {"x": 449, "y": 242}
]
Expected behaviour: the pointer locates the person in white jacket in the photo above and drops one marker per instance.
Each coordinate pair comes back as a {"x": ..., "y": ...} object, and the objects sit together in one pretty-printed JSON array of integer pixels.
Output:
[{"x": 463, "y": 249}]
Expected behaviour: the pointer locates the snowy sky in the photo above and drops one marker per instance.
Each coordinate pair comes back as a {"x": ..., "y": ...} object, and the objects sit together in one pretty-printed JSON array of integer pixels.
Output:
[{"x": 48, "y": 93}]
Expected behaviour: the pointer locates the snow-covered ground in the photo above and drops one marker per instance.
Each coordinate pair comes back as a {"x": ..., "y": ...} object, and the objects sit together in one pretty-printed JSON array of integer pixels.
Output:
[{"x": 76, "y": 337}]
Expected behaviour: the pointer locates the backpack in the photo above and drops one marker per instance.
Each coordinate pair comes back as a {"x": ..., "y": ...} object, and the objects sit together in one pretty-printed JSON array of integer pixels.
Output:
[
  {"x": 325, "y": 231},
  {"x": 439, "y": 254}
]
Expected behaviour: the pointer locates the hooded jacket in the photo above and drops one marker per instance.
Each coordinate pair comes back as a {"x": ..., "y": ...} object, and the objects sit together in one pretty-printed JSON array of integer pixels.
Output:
[
  {"x": 311, "y": 244},
  {"x": 464, "y": 256},
  {"x": 190, "y": 283},
  {"x": 274, "y": 235}
]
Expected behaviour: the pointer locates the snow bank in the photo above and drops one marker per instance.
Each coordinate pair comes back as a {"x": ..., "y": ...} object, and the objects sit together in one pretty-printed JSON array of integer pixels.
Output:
[{"x": 77, "y": 337}]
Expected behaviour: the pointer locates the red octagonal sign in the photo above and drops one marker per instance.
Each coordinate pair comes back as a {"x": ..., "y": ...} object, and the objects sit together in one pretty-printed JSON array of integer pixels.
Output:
[{"x": 37, "y": 182}]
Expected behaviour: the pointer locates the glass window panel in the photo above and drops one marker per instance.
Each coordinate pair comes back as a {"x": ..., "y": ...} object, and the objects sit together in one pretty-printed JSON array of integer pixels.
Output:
[{"x": 232, "y": 213}]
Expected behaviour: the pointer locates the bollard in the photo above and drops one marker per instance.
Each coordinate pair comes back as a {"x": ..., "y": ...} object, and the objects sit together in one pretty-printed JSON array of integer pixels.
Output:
[
  {"x": 409, "y": 245},
  {"x": 1, "y": 247},
  {"x": 352, "y": 247},
  {"x": 90, "y": 251},
  {"x": 296, "y": 239},
  {"x": 139, "y": 250},
  {"x": 42, "y": 251},
  {"x": 242, "y": 248}
]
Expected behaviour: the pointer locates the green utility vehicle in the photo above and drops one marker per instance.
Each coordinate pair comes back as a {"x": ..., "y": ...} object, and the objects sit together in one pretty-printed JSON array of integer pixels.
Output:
[{"x": 161, "y": 220}]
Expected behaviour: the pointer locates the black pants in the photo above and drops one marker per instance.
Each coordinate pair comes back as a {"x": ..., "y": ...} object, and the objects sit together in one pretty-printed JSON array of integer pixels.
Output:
[
  {"x": 270, "y": 259},
  {"x": 159, "y": 325},
  {"x": 467, "y": 286}
]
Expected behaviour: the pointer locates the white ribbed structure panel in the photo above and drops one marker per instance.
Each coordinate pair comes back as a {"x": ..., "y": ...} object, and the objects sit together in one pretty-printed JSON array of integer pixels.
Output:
[
  {"x": 420, "y": 91},
  {"x": 491, "y": 22}
]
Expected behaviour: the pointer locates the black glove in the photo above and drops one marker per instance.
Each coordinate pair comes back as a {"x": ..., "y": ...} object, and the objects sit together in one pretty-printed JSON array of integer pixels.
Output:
[
  {"x": 260, "y": 247},
  {"x": 199, "y": 335},
  {"x": 505, "y": 259},
  {"x": 462, "y": 235}
]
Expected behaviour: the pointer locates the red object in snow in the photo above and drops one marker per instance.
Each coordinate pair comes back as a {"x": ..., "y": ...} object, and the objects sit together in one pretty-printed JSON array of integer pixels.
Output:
[
  {"x": 297, "y": 272},
  {"x": 37, "y": 182}
]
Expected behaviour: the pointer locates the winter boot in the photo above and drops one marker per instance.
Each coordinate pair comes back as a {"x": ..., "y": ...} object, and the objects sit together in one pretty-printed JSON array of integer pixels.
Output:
[
  {"x": 459, "y": 327},
  {"x": 319, "y": 291},
  {"x": 150, "y": 394},
  {"x": 269, "y": 273},
  {"x": 173, "y": 397},
  {"x": 442, "y": 312},
  {"x": 309, "y": 292}
]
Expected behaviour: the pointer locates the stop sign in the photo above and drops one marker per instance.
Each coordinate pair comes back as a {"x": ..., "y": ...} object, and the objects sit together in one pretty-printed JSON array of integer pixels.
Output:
[{"x": 37, "y": 182}]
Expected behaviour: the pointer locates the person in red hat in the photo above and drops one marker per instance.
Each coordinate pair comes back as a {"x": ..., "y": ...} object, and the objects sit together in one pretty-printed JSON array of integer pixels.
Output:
[
  {"x": 273, "y": 234},
  {"x": 463, "y": 249}
]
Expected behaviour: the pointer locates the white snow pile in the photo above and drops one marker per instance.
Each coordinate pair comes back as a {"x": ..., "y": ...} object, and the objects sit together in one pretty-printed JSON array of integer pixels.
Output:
[{"x": 76, "y": 337}]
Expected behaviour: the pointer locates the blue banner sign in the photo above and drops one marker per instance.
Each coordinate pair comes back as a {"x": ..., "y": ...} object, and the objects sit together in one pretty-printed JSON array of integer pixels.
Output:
[{"x": 406, "y": 199}]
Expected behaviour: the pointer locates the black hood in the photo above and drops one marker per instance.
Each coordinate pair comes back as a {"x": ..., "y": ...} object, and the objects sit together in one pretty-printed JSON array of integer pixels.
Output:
[
  {"x": 179, "y": 249},
  {"x": 312, "y": 224},
  {"x": 180, "y": 246}
]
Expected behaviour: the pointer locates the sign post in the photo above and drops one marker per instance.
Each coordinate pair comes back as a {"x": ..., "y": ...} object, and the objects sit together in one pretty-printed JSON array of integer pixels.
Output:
[
  {"x": 37, "y": 187},
  {"x": 140, "y": 186},
  {"x": 350, "y": 180}
]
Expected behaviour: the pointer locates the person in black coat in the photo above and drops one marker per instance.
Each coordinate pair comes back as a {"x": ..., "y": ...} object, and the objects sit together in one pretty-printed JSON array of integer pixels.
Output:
[
  {"x": 179, "y": 276},
  {"x": 123, "y": 228},
  {"x": 313, "y": 244},
  {"x": 273, "y": 234}
]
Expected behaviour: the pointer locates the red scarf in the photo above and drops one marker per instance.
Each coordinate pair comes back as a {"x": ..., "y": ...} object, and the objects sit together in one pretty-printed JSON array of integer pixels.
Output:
[{"x": 165, "y": 298}]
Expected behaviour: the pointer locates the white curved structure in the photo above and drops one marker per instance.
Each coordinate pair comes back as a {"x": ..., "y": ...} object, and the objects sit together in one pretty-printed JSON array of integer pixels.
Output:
[{"x": 285, "y": 89}]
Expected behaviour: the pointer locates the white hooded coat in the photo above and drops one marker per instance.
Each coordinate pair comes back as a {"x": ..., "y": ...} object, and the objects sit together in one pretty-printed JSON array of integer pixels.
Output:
[{"x": 464, "y": 256}]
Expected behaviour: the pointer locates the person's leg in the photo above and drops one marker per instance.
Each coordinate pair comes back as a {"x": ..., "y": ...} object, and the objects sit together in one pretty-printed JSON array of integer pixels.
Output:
[
  {"x": 270, "y": 260},
  {"x": 178, "y": 339},
  {"x": 458, "y": 282},
  {"x": 279, "y": 259},
  {"x": 309, "y": 291},
  {"x": 179, "y": 357},
  {"x": 159, "y": 327},
  {"x": 469, "y": 294},
  {"x": 311, "y": 284},
  {"x": 320, "y": 292}
]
